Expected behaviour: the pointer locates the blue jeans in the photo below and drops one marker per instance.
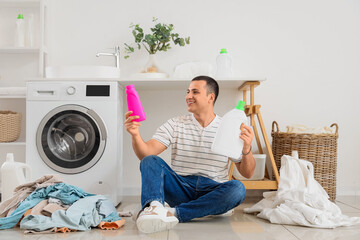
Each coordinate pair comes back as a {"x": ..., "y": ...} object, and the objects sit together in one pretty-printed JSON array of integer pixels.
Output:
[{"x": 192, "y": 196}]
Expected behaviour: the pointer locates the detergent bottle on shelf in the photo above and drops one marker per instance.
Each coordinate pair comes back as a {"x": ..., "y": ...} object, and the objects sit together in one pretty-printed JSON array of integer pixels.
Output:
[
  {"x": 12, "y": 175},
  {"x": 223, "y": 64},
  {"x": 20, "y": 31},
  {"x": 134, "y": 103},
  {"x": 227, "y": 141}
]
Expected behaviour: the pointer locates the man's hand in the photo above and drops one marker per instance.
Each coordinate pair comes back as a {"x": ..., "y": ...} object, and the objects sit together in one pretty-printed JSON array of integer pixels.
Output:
[
  {"x": 131, "y": 126},
  {"x": 247, "y": 165},
  {"x": 247, "y": 136}
]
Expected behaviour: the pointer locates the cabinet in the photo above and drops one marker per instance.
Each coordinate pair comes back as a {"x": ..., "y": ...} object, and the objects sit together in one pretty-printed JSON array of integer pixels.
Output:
[{"x": 17, "y": 64}]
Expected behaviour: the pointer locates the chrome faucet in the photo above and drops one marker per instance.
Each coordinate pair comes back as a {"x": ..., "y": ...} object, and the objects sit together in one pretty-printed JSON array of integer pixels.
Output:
[{"x": 115, "y": 54}]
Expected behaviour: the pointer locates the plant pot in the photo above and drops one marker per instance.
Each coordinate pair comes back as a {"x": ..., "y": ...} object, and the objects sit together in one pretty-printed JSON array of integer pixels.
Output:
[
  {"x": 151, "y": 70},
  {"x": 151, "y": 66}
]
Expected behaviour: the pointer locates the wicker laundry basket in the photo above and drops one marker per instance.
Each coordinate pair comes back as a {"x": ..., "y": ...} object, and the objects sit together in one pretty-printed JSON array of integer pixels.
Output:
[
  {"x": 10, "y": 126},
  {"x": 319, "y": 149}
]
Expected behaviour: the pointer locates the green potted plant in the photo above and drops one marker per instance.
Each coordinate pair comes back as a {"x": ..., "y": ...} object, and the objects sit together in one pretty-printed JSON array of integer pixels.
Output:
[{"x": 158, "y": 40}]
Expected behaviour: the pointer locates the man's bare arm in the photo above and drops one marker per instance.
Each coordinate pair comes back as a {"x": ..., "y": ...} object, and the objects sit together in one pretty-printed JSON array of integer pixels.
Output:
[{"x": 141, "y": 148}]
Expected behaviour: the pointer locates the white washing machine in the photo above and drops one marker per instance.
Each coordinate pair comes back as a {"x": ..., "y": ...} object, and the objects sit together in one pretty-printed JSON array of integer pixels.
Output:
[{"x": 74, "y": 129}]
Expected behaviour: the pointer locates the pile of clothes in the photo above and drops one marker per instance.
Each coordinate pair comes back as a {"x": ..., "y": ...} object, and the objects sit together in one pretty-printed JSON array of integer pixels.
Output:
[
  {"x": 50, "y": 205},
  {"x": 300, "y": 199}
]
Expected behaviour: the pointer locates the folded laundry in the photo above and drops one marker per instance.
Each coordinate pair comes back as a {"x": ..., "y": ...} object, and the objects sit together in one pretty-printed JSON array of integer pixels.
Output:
[
  {"x": 300, "y": 199},
  {"x": 192, "y": 69}
]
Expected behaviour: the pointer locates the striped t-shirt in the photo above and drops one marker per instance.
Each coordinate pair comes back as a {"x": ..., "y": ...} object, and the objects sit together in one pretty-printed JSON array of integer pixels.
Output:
[{"x": 191, "y": 147}]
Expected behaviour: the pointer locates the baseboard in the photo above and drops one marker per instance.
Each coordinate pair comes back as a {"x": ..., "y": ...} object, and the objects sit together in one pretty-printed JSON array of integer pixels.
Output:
[{"x": 348, "y": 193}]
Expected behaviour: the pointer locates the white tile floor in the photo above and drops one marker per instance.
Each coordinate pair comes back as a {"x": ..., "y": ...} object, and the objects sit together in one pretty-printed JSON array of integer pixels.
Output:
[{"x": 238, "y": 226}]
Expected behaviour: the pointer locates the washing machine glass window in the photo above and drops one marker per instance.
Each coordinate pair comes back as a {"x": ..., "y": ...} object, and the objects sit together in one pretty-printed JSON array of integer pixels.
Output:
[{"x": 70, "y": 139}]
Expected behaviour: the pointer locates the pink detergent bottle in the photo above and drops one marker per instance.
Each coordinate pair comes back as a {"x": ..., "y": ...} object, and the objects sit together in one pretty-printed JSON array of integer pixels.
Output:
[{"x": 134, "y": 103}]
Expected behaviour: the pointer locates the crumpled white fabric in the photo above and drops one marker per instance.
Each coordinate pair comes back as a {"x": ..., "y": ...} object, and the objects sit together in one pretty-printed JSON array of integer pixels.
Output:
[
  {"x": 304, "y": 129},
  {"x": 300, "y": 199}
]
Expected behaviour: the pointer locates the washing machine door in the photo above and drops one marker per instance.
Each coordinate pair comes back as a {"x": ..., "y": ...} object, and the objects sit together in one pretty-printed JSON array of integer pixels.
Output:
[{"x": 71, "y": 139}]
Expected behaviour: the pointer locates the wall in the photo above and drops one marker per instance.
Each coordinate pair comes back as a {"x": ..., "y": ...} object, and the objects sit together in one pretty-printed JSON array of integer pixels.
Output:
[{"x": 307, "y": 50}]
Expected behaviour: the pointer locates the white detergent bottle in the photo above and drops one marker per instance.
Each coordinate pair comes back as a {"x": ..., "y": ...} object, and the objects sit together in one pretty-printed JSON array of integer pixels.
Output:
[
  {"x": 227, "y": 141},
  {"x": 20, "y": 31},
  {"x": 223, "y": 64},
  {"x": 12, "y": 175}
]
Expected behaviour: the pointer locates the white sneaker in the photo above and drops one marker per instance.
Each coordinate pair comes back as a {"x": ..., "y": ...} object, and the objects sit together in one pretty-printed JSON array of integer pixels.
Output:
[
  {"x": 155, "y": 219},
  {"x": 228, "y": 213}
]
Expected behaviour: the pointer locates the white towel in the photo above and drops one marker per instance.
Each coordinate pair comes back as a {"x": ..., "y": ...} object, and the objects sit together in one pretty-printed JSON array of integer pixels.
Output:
[
  {"x": 300, "y": 199},
  {"x": 192, "y": 69},
  {"x": 304, "y": 129},
  {"x": 18, "y": 91}
]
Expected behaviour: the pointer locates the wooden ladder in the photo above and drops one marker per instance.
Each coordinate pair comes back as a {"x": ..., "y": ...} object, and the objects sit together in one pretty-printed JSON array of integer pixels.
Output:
[{"x": 253, "y": 110}]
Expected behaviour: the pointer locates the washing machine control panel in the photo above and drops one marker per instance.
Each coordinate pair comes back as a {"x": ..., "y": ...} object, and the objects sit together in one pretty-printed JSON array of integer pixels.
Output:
[
  {"x": 71, "y": 90},
  {"x": 97, "y": 90}
]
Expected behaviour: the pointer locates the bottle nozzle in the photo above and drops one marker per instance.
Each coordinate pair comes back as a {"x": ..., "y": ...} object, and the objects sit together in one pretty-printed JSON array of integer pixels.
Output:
[
  {"x": 223, "y": 50},
  {"x": 240, "y": 105}
]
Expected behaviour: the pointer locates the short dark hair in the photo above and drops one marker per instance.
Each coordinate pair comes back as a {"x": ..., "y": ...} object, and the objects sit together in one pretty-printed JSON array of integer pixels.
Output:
[{"x": 211, "y": 85}]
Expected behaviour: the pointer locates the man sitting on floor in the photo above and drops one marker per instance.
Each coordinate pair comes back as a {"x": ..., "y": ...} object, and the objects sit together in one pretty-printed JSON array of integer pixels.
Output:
[{"x": 196, "y": 184}]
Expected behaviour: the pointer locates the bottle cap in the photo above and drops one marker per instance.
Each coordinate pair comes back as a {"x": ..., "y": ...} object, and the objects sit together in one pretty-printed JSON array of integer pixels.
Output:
[
  {"x": 240, "y": 105},
  {"x": 20, "y": 16},
  {"x": 223, "y": 50},
  {"x": 131, "y": 86},
  {"x": 10, "y": 157}
]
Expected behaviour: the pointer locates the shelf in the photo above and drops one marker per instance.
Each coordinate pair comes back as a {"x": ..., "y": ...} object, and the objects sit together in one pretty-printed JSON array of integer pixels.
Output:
[
  {"x": 12, "y": 96},
  {"x": 17, "y": 50},
  {"x": 162, "y": 83},
  {"x": 167, "y": 83},
  {"x": 12, "y": 143},
  {"x": 13, "y": 92},
  {"x": 260, "y": 184},
  {"x": 19, "y": 3}
]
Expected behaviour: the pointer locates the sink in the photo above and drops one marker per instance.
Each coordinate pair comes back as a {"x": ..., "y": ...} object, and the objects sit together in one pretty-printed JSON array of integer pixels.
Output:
[{"x": 82, "y": 72}]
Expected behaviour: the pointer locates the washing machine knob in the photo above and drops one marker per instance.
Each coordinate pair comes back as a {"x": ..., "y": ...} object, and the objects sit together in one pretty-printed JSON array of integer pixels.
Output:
[{"x": 71, "y": 90}]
